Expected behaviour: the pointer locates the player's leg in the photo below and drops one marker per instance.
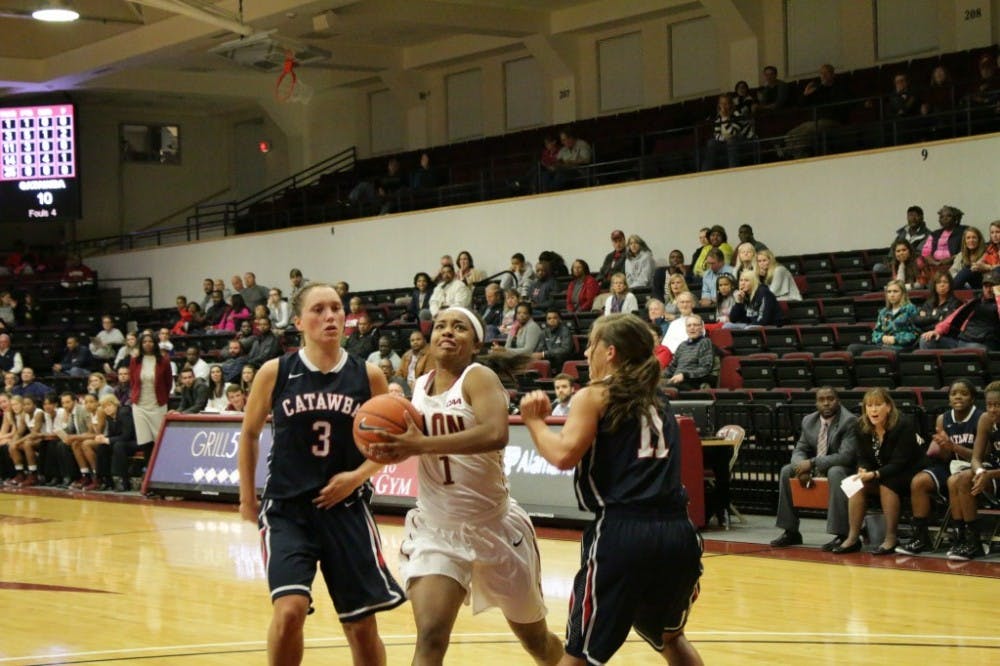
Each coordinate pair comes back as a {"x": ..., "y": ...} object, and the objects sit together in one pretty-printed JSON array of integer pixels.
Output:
[
  {"x": 435, "y": 600},
  {"x": 678, "y": 651},
  {"x": 366, "y": 645},
  {"x": 284, "y": 636},
  {"x": 543, "y": 645}
]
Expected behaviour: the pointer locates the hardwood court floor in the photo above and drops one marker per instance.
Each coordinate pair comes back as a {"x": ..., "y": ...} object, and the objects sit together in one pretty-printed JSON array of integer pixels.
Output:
[{"x": 99, "y": 582}]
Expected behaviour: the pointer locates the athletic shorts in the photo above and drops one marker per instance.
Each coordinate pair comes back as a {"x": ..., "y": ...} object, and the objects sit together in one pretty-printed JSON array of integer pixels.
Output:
[
  {"x": 296, "y": 535},
  {"x": 496, "y": 561},
  {"x": 940, "y": 471},
  {"x": 638, "y": 569}
]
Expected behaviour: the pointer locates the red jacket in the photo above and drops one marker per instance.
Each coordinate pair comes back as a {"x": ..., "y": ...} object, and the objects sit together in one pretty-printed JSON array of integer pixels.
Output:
[
  {"x": 956, "y": 322},
  {"x": 587, "y": 295},
  {"x": 164, "y": 378}
]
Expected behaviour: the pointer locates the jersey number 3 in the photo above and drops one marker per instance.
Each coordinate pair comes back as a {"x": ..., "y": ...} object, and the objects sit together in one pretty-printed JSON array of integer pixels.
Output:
[
  {"x": 322, "y": 449},
  {"x": 651, "y": 429}
]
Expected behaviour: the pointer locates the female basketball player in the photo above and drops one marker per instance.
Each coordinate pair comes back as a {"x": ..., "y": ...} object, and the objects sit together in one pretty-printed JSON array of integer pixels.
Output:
[
  {"x": 641, "y": 557},
  {"x": 316, "y": 497},
  {"x": 467, "y": 537}
]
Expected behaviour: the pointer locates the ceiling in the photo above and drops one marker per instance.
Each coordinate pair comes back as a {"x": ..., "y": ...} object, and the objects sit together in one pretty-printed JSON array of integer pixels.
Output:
[{"x": 143, "y": 50}]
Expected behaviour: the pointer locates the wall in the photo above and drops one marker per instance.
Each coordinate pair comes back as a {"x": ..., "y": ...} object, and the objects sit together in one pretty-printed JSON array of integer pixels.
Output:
[{"x": 812, "y": 205}]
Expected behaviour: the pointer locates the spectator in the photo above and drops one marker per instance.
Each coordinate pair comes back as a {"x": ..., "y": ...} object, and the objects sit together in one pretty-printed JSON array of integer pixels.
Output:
[
  {"x": 216, "y": 311},
  {"x": 582, "y": 288},
  {"x": 121, "y": 437},
  {"x": 908, "y": 267},
  {"x": 676, "y": 286},
  {"x": 77, "y": 275},
  {"x": 639, "y": 263},
  {"x": 715, "y": 265},
  {"x": 986, "y": 89},
  {"x": 743, "y": 99},
  {"x": 423, "y": 177},
  {"x": 194, "y": 393},
  {"x": 620, "y": 299},
  {"x": 510, "y": 301},
  {"x": 466, "y": 270},
  {"x": 745, "y": 233},
  {"x": 991, "y": 257},
  {"x": 677, "y": 332},
  {"x": 10, "y": 360},
  {"x": 827, "y": 449},
  {"x": 745, "y": 258},
  {"x": 725, "y": 287},
  {"x": 777, "y": 278},
  {"x": 755, "y": 304},
  {"x": 420, "y": 298},
  {"x": 207, "y": 286},
  {"x": 889, "y": 454},
  {"x": 355, "y": 309},
  {"x": 104, "y": 345},
  {"x": 445, "y": 260},
  {"x": 220, "y": 286},
  {"x": 379, "y": 192},
  {"x": 343, "y": 290},
  {"x": 449, "y": 292},
  {"x": 903, "y": 102},
  {"x": 675, "y": 263},
  {"x": 247, "y": 375},
  {"x": 557, "y": 340},
  {"x": 266, "y": 345},
  {"x": 364, "y": 340},
  {"x": 10, "y": 382},
  {"x": 7, "y": 318},
  {"x": 730, "y": 130},
  {"x": 691, "y": 364},
  {"x": 914, "y": 232},
  {"x": 940, "y": 94},
  {"x": 773, "y": 92},
  {"x": 233, "y": 317},
  {"x": 562, "y": 384},
  {"x": 28, "y": 313},
  {"x": 941, "y": 246},
  {"x": 657, "y": 316},
  {"x": 237, "y": 283},
  {"x": 895, "y": 328},
  {"x": 385, "y": 352},
  {"x": 123, "y": 387},
  {"x": 826, "y": 95},
  {"x": 97, "y": 384},
  {"x": 698, "y": 256},
  {"x": 76, "y": 360},
  {"x": 217, "y": 399},
  {"x": 963, "y": 267},
  {"x": 953, "y": 440},
  {"x": 547, "y": 163},
  {"x": 717, "y": 239},
  {"x": 520, "y": 275},
  {"x": 278, "y": 311},
  {"x": 939, "y": 304},
  {"x": 194, "y": 326},
  {"x": 575, "y": 152},
  {"x": 233, "y": 360},
  {"x": 298, "y": 283},
  {"x": 492, "y": 313},
  {"x": 525, "y": 335},
  {"x": 614, "y": 261},
  {"x": 245, "y": 335},
  {"x": 414, "y": 361},
  {"x": 193, "y": 359},
  {"x": 557, "y": 265},
  {"x": 971, "y": 326},
  {"x": 542, "y": 288},
  {"x": 236, "y": 399}
]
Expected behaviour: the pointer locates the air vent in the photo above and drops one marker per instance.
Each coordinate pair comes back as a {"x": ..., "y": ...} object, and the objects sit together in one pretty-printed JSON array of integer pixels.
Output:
[{"x": 267, "y": 51}]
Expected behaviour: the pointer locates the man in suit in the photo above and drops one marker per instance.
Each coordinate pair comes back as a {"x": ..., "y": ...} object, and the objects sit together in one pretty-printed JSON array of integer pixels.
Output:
[{"x": 826, "y": 448}]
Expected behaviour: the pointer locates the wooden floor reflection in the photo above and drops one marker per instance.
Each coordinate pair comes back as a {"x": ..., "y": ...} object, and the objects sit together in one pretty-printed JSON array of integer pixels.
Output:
[{"x": 89, "y": 582}]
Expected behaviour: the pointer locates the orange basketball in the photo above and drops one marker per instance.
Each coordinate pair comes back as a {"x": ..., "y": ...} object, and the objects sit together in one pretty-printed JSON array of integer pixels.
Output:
[{"x": 383, "y": 414}]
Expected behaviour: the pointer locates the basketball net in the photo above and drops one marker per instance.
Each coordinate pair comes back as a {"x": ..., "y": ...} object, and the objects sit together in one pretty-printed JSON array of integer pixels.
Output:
[{"x": 289, "y": 87}]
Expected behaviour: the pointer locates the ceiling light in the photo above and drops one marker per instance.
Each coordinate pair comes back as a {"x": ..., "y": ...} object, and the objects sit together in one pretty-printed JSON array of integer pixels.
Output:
[{"x": 55, "y": 12}]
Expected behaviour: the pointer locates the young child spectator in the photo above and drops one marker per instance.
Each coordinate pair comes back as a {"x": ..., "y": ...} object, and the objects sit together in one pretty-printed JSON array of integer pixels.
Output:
[{"x": 725, "y": 287}]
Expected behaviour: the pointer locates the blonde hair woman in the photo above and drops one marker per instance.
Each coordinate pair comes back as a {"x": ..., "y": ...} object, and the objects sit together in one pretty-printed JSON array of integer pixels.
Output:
[
  {"x": 777, "y": 278},
  {"x": 755, "y": 304},
  {"x": 676, "y": 285}
]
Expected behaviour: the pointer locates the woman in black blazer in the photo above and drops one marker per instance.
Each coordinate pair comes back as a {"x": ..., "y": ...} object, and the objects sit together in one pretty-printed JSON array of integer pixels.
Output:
[{"x": 889, "y": 454}]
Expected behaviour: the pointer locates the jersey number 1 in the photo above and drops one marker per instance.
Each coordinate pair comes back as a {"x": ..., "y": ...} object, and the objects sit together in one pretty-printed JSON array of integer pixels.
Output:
[
  {"x": 652, "y": 427},
  {"x": 322, "y": 449}
]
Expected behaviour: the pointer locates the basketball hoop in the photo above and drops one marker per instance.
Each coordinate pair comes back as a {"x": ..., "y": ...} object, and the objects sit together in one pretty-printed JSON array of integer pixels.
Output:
[{"x": 302, "y": 94}]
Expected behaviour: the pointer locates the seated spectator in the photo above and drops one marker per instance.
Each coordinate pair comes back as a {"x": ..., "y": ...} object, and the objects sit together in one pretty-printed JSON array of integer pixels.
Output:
[
  {"x": 777, "y": 278},
  {"x": 889, "y": 454},
  {"x": 266, "y": 345},
  {"x": 77, "y": 275},
  {"x": 220, "y": 285},
  {"x": 582, "y": 288},
  {"x": 745, "y": 233},
  {"x": 676, "y": 285},
  {"x": 232, "y": 319},
  {"x": 562, "y": 384},
  {"x": 355, "y": 308},
  {"x": 985, "y": 91},
  {"x": 940, "y": 94},
  {"x": 519, "y": 277},
  {"x": 914, "y": 233},
  {"x": 104, "y": 345},
  {"x": 716, "y": 239},
  {"x": 193, "y": 391},
  {"x": 725, "y": 288},
  {"x": 963, "y": 267},
  {"x": 123, "y": 387},
  {"x": 895, "y": 328},
  {"x": 657, "y": 316},
  {"x": 542, "y": 288},
  {"x": 903, "y": 101},
  {"x": 448, "y": 292},
  {"x": 691, "y": 364},
  {"x": 557, "y": 340},
  {"x": 971, "y": 326},
  {"x": 941, "y": 303},
  {"x": 423, "y": 177},
  {"x": 7, "y": 317},
  {"x": 236, "y": 399},
  {"x": 414, "y": 361},
  {"x": 991, "y": 257},
  {"x": 907, "y": 267},
  {"x": 639, "y": 263},
  {"x": 698, "y": 256},
  {"x": 743, "y": 99},
  {"x": 715, "y": 265},
  {"x": 180, "y": 324},
  {"x": 207, "y": 286},
  {"x": 10, "y": 382},
  {"x": 247, "y": 375},
  {"x": 677, "y": 331},
  {"x": 510, "y": 301},
  {"x": 193, "y": 359},
  {"x": 162, "y": 340},
  {"x": 773, "y": 92},
  {"x": 953, "y": 439},
  {"x": 97, "y": 384},
  {"x": 755, "y": 304},
  {"x": 525, "y": 335},
  {"x": 237, "y": 283},
  {"x": 827, "y": 96},
  {"x": 466, "y": 270},
  {"x": 492, "y": 312},
  {"x": 10, "y": 360},
  {"x": 379, "y": 192},
  {"x": 420, "y": 298},
  {"x": 557, "y": 265},
  {"x": 278, "y": 311},
  {"x": 745, "y": 258},
  {"x": 76, "y": 360},
  {"x": 621, "y": 299},
  {"x": 827, "y": 448},
  {"x": 28, "y": 313},
  {"x": 343, "y": 290},
  {"x": 364, "y": 340},
  {"x": 386, "y": 352},
  {"x": 729, "y": 132},
  {"x": 575, "y": 152},
  {"x": 298, "y": 283},
  {"x": 445, "y": 260},
  {"x": 194, "y": 325},
  {"x": 675, "y": 263},
  {"x": 943, "y": 245},
  {"x": 385, "y": 365},
  {"x": 245, "y": 335},
  {"x": 614, "y": 261},
  {"x": 233, "y": 360},
  {"x": 218, "y": 310}
]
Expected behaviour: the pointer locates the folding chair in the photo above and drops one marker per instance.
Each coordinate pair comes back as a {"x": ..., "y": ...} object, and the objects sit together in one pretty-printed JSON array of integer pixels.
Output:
[{"x": 734, "y": 435}]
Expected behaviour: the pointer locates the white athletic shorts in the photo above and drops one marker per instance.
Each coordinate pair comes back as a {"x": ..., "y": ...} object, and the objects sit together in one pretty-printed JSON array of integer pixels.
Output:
[{"x": 495, "y": 561}]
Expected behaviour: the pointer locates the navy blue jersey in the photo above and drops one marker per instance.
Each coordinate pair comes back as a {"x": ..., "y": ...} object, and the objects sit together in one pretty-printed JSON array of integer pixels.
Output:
[
  {"x": 312, "y": 419},
  {"x": 962, "y": 433},
  {"x": 991, "y": 456},
  {"x": 638, "y": 465}
]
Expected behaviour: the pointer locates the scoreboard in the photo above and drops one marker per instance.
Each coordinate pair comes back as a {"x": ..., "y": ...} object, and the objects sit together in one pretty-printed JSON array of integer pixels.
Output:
[{"x": 39, "y": 176}]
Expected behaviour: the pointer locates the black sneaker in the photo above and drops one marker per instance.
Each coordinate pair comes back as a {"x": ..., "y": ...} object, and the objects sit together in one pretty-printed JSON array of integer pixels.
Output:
[
  {"x": 914, "y": 546},
  {"x": 967, "y": 550},
  {"x": 787, "y": 538}
]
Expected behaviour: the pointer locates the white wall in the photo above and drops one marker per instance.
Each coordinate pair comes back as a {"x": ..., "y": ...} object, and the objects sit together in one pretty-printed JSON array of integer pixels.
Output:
[{"x": 813, "y": 205}]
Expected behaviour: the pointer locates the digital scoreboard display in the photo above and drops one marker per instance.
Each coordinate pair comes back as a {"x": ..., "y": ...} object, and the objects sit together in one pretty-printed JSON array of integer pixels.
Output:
[{"x": 39, "y": 176}]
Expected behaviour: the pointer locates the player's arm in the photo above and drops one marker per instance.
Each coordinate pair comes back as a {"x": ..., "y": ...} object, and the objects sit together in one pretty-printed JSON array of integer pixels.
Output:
[
  {"x": 564, "y": 448},
  {"x": 254, "y": 418},
  {"x": 981, "y": 474}
]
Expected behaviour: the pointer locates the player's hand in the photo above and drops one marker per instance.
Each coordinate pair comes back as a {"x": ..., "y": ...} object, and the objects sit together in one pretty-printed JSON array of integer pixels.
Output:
[
  {"x": 535, "y": 405},
  {"x": 250, "y": 509},
  {"x": 399, "y": 447},
  {"x": 337, "y": 489},
  {"x": 979, "y": 483}
]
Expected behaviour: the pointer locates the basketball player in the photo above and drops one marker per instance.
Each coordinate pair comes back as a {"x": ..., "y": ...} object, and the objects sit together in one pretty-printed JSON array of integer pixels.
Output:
[
  {"x": 315, "y": 504},
  {"x": 467, "y": 538},
  {"x": 954, "y": 437},
  {"x": 625, "y": 446}
]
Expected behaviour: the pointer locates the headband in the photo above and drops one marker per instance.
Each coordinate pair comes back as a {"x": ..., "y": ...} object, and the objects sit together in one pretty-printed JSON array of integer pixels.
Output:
[{"x": 473, "y": 319}]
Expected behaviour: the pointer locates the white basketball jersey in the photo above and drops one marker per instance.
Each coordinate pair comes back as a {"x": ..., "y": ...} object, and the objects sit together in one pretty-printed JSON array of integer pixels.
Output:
[{"x": 456, "y": 487}]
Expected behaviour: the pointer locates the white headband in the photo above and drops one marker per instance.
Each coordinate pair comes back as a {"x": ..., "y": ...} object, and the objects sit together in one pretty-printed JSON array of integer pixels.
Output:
[{"x": 473, "y": 319}]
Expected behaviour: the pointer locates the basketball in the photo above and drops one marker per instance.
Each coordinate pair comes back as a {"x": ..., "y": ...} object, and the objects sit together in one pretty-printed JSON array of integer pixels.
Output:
[{"x": 383, "y": 414}]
